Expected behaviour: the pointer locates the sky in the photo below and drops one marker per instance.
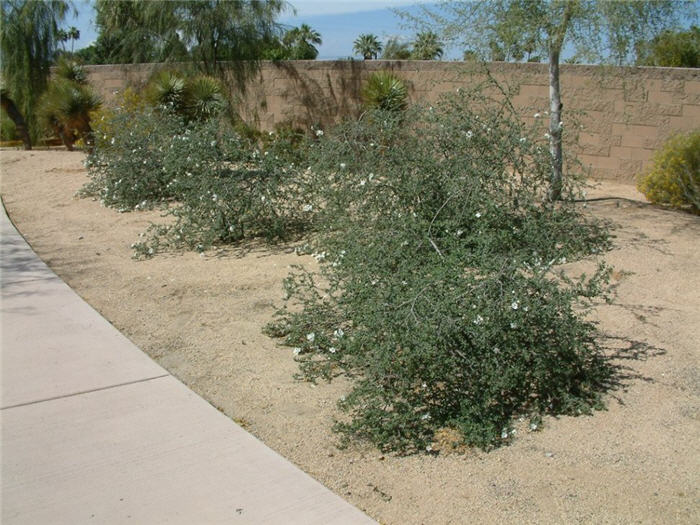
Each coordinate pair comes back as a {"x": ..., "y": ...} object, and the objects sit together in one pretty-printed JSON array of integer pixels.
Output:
[{"x": 338, "y": 21}]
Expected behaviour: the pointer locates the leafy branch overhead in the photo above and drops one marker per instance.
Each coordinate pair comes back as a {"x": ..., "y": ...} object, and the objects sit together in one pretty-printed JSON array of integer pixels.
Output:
[{"x": 601, "y": 30}]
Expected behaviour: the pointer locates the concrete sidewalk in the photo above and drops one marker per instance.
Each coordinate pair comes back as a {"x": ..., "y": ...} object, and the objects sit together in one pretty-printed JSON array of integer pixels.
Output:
[{"x": 94, "y": 431}]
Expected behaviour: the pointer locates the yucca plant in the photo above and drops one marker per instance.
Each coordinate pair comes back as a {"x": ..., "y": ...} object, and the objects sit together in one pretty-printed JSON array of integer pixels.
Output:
[
  {"x": 204, "y": 98},
  {"x": 65, "y": 110},
  {"x": 167, "y": 88},
  {"x": 70, "y": 69},
  {"x": 195, "y": 98},
  {"x": 384, "y": 91}
]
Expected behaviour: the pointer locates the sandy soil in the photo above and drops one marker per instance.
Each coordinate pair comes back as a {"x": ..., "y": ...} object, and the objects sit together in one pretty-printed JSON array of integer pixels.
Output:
[{"x": 201, "y": 318}]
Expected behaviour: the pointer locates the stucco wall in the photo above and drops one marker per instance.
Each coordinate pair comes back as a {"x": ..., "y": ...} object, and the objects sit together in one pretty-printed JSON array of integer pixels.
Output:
[{"x": 625, "y": 113}]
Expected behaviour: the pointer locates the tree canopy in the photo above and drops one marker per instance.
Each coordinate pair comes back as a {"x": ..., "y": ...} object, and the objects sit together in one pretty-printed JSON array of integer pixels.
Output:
[
  {"x": 206, "y": 32},
  {"x": 671, "y": 49},
  {"x": 28, "y": 44},
  {"x": 301, "y": 42},
  {"x": 367, "y": 45},
  {"x": 427, "y": 46},
  {"x": 595, "y": 30}
]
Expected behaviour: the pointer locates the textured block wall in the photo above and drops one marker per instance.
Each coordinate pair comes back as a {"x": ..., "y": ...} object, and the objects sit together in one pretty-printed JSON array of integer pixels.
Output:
[{"x": 625, "y": 113}]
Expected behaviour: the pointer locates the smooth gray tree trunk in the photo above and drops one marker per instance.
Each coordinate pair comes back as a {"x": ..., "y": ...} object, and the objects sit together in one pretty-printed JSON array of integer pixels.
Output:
[{"x": 555, "y": 127}]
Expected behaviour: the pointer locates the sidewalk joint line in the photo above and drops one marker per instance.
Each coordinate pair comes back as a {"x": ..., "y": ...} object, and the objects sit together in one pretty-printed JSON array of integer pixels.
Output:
[{"x": 84, "y": 392}]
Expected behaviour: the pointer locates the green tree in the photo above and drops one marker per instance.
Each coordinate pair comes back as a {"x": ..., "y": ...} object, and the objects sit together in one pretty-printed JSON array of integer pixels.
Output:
[
  {"x": 206, "y": 32},
  {"x": 427, "y": 46},
  {"x": 603, "y": 30},
  {"x": 671, "y": 49},
  {"x": 28, "y": 45},
  {"x": 396, "y": 50},
  {"x": 301, "y": 42},
  {"x": 367, "y": 45}
]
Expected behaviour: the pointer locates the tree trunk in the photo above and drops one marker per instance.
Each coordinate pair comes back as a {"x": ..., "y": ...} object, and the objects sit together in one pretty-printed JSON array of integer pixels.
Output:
[
  {"x": 20, "y": 125},
  {"x": 555, "y": 126}
]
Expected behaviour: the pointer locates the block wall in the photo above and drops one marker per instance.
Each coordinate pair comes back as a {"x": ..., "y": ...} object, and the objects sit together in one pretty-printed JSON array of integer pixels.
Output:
[{"x": 624, "y": 113}]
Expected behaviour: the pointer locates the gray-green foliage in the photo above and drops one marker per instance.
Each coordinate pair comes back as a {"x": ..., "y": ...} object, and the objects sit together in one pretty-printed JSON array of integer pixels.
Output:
[
  {"x": 217, "y": 187},
  {"x": 440, "y": 292}
]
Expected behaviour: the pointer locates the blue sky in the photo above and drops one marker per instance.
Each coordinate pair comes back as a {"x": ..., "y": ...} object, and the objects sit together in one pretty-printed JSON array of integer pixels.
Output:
[{"x": 338, "y": 21}]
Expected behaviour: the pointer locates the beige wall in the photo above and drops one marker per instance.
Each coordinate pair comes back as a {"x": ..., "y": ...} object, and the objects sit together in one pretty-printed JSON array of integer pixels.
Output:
[{"x": 626, "y": 113}]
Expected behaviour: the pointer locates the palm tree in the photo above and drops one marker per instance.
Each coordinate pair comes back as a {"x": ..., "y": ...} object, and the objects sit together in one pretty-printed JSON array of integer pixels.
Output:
[
  {"x": 300, "y": 42},
  {"x": 395, "y": 50},
  {"x": 427, "y": 46},
  {"x": 28, "y": 44},
  {"x": 367, "y": 45},
  {"x": 73, "y": 35}
]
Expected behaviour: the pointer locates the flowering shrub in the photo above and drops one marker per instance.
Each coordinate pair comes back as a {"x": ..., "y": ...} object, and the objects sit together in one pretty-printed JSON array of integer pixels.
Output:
[
  {"x": 218, "y": 186},
  {"x": 441, "y": 291}
]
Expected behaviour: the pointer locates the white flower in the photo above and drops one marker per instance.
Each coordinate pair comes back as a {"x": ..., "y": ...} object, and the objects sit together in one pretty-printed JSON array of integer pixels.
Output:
[
  {"x": 332, "y": 349},
  {"x": 513, "y": 325},
  {"x": 371, "y": 176},
  {"x": 547, "y": 136},
  {"x": 523, "y": 139},
  {"x": 562, "y": 260},
  {"x": 363, "y": 182},
  {"x": 478, "y": 320},
  {"x": 319, "y": 133},
  {"x": 212, "y": 143},
  {"x": 533, "y": 426},
  {"x": 112, "y": 141},
  {"x": 374, "y": 281},
  {"x": 310, "y": 337},
  {"x": 504, "y": 433},
  {"x": 308, "y": 207},
  {"x": 514, "y": 305},
  {"x": 424, "y": 385},
  {"x": 537, "y": 115},
  {"x": 459, "y": 232},
  {"x": 296, "y": 351},
  {"x": 477, "y": 214},
  {"x": 338, "y": 333},
  {"x": 525, "y": 309},
  {"x": 342, "y": 165},
  {"x": 496, "y": 350},
  {"x": 425, "y": 417},
  {"x": 469, "y": 134}
]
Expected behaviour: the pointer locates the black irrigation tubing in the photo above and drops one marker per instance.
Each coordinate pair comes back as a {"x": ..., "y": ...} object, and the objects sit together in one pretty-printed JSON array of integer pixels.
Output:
[{"x": 609, "y": 199}]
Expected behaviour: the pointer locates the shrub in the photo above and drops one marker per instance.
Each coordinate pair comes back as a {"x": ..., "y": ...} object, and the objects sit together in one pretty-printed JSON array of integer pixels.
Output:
[
  {"x": 217, "y": 186},
  {"x": 7, "y": 128},
  {"x": 385, "y": 91},
  {"x": 65, "y": 108},
  {"x": 674, "y": 178},
  {"x": 440, "y": 291}
]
